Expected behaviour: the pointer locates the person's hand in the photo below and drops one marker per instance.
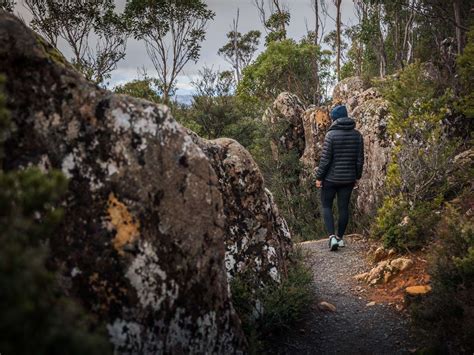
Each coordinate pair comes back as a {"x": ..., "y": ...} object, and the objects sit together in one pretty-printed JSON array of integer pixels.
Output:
[{"x": 319, "y": 184}]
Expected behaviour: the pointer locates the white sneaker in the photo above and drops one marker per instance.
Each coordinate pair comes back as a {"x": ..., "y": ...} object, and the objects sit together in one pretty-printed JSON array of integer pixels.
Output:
[
  {"x": 333, "y": 243},
  {"x": 341, "y": 243}
]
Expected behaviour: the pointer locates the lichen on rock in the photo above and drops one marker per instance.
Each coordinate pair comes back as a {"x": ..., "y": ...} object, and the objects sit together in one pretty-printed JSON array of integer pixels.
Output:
[
  {"x": 257, "y": 239},
  {"x": 141, "y": 244}
]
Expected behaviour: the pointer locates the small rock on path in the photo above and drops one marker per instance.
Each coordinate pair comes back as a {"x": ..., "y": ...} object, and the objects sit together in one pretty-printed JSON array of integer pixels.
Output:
[{"x": 353, "y": 328}]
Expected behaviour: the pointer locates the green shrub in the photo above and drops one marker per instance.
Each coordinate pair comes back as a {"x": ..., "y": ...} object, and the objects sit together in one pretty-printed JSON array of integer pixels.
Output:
[
  {"x": 402, "y": 226},
  {"x": 465, "y": 70},
  {"x": 422, "y": 157},
  {"x": 145, "y": 88},
  {"x": 280, "y": 305},
  {"x": 447, "y": 314}
]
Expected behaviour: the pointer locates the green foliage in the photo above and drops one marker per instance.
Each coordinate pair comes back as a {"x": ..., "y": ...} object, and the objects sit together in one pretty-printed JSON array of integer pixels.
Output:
[
  {"x": 276, "y": 24},
  {"x": 447, "y": 314},
  {"x": 403, "y": 226},
  {"x": 465, "y": 70},
  {"x": 284, "y": 66},
  {"x": 422, "y": 157},
  {"x": 145, "y": 88},
  {"x": 239, "y": 50},
  {"x": 214, "y": 106},
  {"x": 36, "y": 317},
  {"x": 396, "y": 33},
  {"x": 281, "y": 304},
  {"x": 411, "y": 94},
  {"x": 216, "y": 112}
]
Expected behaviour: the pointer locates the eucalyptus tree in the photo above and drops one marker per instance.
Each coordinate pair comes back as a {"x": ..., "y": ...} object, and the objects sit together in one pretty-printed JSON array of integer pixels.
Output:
[
  {"x": 92, "y": 30},
  {"x": 7, "y": 5},
  {"x": 276, "y": 22},
  {"x": 172, "y": 31},
  {"x": 240, "y": 48}
]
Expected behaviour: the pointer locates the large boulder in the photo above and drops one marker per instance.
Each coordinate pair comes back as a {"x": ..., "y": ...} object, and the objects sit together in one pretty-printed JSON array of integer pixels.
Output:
[
  {"x": 257, "y": 239},
  {"x": 146, "y": 238},
  {"x": 285, "y": 119}
]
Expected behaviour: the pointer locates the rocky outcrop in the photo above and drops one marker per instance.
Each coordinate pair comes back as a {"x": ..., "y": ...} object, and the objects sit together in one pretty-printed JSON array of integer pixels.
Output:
[
  {"x": 371, "y": 115},
  {"x": 257, "y": 238},
  {"x": 285, "y": 120},
  {"x": 347, "y": 89},
  {"x": 146, "y": 236}
]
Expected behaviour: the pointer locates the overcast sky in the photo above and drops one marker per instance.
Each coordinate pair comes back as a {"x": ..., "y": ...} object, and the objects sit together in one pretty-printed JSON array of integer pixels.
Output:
[{"x": 302, "y": 17}]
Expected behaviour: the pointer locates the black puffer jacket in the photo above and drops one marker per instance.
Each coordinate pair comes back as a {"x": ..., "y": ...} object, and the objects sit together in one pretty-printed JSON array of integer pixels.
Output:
[{"x": 342, "y": 158}]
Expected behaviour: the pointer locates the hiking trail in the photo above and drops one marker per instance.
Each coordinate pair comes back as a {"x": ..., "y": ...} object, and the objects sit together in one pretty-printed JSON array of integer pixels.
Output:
[{"x": 357, "y": 326}]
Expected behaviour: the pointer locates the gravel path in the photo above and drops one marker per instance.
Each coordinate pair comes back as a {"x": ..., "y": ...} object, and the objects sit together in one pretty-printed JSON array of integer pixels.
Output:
[{"x": 355, "y": 327}]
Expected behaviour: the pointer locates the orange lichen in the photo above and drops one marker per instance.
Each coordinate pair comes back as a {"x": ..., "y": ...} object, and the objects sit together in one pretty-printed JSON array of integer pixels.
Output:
[
  {"x": 322, "y": 117},
  {"x": 127, "y": 227},
  {"x": 418, "y": 290}
]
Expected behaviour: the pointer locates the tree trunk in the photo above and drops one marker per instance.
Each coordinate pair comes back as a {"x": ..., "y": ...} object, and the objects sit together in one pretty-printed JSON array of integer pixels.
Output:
[
  {"x": 457, "y": 19},
  {"x": 236, "y": 47},
  {"x": 317, "y": 95},
  {"x": 316, "y": 22},
  {"x": 338, "y": 39},
  {"x": 381, "y": 46}
]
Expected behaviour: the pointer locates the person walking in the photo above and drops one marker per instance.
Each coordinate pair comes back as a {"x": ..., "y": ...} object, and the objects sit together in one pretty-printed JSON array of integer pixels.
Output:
[{"x": 340, "y": 167}]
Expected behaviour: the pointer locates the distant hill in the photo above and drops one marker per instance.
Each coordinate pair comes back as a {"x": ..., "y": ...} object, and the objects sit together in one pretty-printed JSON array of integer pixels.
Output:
[{"x": 184, "y": 99}]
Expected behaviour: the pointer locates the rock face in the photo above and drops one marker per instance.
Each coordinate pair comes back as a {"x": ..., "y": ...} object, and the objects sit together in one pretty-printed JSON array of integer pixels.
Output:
[
  {"x": 257, "y": 239},
  {"x": 146, "y": 236},
  {"x": 346, "y": 89},
  {"x": 316, "y": 122}
]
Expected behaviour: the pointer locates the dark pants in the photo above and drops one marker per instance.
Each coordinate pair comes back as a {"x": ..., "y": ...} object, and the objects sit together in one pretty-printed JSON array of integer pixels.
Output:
[{"x": 343, "y": 192}]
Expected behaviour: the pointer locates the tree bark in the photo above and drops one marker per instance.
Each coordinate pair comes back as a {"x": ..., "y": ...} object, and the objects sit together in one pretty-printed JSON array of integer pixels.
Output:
[
  {"x": 317, "y": 95},
  {"x": 316, "y": 21},
  {"x": 457, "y": 19},
  {"x": 236, "y": 48},
  {"x": 338, "y": 38}
]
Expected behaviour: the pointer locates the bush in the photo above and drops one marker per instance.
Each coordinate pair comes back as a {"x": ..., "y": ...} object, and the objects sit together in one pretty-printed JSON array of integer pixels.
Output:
[
  {"x": 145, "y": 88},
  {"x": 279, "y": 305},
  {"x": 447, "y": 314},
  {"x": 402, "y": 226},
  {"x": 422, "y": 157}
]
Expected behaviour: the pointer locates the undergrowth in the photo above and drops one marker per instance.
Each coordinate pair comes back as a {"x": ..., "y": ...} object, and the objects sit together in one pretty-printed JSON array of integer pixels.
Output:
[
  {"x": 279, "y": 306},
  {"x": 447, "y": 314}
]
